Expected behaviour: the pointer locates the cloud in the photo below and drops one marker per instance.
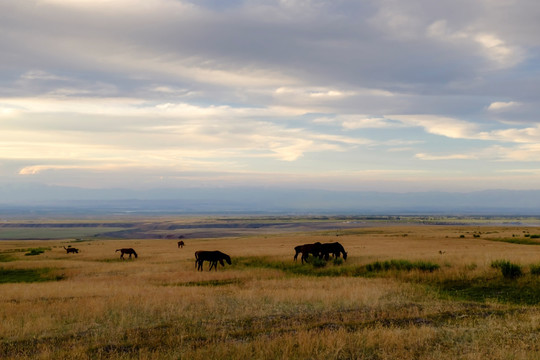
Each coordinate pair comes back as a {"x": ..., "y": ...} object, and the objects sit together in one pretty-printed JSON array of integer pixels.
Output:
[
  {"x": 422, "y": 156},
  {"x": 501, "y": 105},
  {"x": 440, "y": 125},
  {"x": 41, "y": 75},
  {"x": 285, "y": 86},
  {"x": 359, "y": 122}
]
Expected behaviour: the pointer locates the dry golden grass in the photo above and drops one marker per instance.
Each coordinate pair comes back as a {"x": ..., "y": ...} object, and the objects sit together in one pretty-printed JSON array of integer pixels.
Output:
[{"x": 159, "y": 307}]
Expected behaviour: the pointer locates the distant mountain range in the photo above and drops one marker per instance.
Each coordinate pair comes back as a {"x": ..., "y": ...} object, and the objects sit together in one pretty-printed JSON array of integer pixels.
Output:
[{"x": 36, "y": 199}]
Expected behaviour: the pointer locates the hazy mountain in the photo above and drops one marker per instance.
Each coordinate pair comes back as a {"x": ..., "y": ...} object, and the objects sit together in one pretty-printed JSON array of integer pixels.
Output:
[{"x": 39, "y": 198}]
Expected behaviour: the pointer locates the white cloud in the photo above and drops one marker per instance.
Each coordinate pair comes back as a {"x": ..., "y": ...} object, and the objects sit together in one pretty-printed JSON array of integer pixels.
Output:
[
  {"x": 41, "y": 75},
  {"x": 501, "y": 105},
  {"x": 498, "y": 51},
  {"x": 6, "y": 111},
  {"x": 423, "y": 156},
  {"x": 360, "y": 121},
  {"x": 440, "y": 125},
  {"x": 490, "y": 45},
  {"x": 525, "y": 135}
]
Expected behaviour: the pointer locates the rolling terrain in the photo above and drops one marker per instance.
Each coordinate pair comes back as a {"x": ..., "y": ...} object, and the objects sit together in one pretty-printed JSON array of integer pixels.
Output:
[{"x": 407, "y": 290}]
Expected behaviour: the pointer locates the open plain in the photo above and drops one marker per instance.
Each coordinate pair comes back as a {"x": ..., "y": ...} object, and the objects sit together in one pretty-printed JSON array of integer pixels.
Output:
[{"x": 408, "y": 290}]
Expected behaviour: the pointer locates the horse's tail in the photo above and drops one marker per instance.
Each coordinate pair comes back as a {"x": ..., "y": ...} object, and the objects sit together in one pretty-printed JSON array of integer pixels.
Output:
[{"x": 297, "y": 250}]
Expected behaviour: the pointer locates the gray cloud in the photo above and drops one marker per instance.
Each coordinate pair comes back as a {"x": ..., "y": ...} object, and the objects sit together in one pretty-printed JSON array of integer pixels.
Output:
[{"x": 267, "y": 80}]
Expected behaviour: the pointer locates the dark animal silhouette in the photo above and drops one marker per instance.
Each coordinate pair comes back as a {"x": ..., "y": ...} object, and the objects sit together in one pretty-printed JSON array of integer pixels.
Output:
[
  {"x": 181, "y": 244},
  {"x": 334, "y": 248},
  {"x": 306, "y": 249},
  {"x": 129, "y": 251},
  {"x": 70, "y": 249},
  {"x": 212, "y": 257}
]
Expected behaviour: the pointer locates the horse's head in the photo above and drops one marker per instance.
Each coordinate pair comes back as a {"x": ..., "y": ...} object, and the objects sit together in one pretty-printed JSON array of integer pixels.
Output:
[
  {"x": 344, "y": 255},
  {"x": 228, "y": 259}
]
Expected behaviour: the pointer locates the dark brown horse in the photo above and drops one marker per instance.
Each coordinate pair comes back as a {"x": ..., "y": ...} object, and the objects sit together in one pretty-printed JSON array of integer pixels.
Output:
[
  {"x": 333, "y": 248},
  {"x": 70, "y": 249},
  {"x": 181, "y": 244},
  {"x": 212, "y": 257},
  {"x": 306, "y": 249},
  {"x": 129, "y": 251}
]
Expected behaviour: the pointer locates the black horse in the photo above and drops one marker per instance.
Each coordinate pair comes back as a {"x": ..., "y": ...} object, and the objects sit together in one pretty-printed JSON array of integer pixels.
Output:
[
  {"x": 129, "y": 251},
  {"x": 333, "y": 248},
  {"x": 70, "y": 249},
  {"x": 181, "y": 244},
  {"x": 212, "y": 257},
  {"x": 306, "y": 249}
]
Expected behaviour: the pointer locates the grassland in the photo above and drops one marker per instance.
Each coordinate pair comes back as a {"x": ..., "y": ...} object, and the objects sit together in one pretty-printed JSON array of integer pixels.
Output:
[{"x": 405, "y": 292}]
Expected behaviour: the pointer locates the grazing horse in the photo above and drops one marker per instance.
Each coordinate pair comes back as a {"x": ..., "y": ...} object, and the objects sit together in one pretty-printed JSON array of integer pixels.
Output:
[
  {"x": 70, "y": 249},
  {"x": 306, "y": 249},
  {"x": 212, "y": 257},
  {"x": 333, "y": 248},
  {"x": 181, "y": 244},
  {"x": 129, "y": 251}
]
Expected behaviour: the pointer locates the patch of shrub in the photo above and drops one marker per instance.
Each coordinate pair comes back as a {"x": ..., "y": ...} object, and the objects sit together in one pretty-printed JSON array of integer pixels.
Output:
[
  {"x": 316, "y": 262},
  {"x": 35, "y": 251},
  {"x": 6, "y": 258},
  {"x": 405, "y": 265},
  {"x": 508, "y": 269},
  {"x": 338, "y": 261},
  {"x": 209, "y": 282},
  {"x": 517, "y": 240},
  {"x": 522, "y": 291},
  {"x": 535, "y": 269},
  {"x": 535, "y": 236},
  {"x": 27, "y": 275}
]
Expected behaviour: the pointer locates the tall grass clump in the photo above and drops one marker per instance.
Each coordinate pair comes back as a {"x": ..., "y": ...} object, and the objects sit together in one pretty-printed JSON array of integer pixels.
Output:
[{"x": 508, "y": 269}]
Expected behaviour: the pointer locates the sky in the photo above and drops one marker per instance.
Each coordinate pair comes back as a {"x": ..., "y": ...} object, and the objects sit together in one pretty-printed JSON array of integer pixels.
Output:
[{"x": 368, "y": 95}]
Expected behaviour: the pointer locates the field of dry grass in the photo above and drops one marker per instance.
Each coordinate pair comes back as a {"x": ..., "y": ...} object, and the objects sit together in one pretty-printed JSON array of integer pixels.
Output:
[{"x": 264, "y": 306}]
